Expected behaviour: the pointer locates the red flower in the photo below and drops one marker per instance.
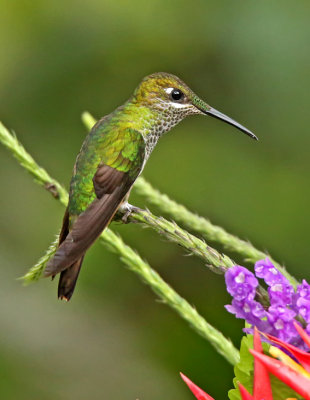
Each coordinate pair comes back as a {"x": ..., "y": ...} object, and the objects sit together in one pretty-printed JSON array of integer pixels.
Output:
[
  {"x": 296, "y": 375},
  {"x": 197, "y": 392},
  {"x": 262, "y": 386}
]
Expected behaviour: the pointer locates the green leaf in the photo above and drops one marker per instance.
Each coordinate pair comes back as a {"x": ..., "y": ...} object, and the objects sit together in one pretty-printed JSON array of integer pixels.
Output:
[{"x": 244, "y": 369}]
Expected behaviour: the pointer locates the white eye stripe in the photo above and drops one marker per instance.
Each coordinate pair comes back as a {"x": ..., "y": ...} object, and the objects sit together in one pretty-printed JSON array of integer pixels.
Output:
[
  {"x": 173, "y": 104},
  {"x": 178, "y": 105}
]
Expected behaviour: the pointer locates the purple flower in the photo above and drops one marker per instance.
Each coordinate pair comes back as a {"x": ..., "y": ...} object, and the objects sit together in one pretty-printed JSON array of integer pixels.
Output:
[
  {"x": 281, "y": 293},
  {"x": 302, "y": 301},
  {"x": 303, "y": 290},
  {"x": 280, "y": 290},
  {"x": 303, "y": 307},
  {"x": 241, "y": 283},
  {"x": 266, "y": 270},
  {"x": 285, "y": 303},
  {"x": 281, "y": 319},
  {"x": 251, "y": 311}
]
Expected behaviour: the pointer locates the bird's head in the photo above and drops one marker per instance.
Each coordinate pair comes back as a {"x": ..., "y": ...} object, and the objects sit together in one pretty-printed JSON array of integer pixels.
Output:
[{"x": 174, "y": 100}]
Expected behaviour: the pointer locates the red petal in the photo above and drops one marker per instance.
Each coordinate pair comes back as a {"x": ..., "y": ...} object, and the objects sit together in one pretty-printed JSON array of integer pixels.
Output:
[
  {"x": 302, "y": 334},
  {"x": 296, "y": 381},
  {"x": 245, "y": 394},
  {"x": 198, "y": 393},
  {"x": 262, "y": 386},
  {"x": 302, "y": 356}
]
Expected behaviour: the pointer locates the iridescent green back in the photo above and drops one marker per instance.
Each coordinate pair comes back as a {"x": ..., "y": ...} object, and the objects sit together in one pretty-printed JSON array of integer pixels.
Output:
[{"x": 112, "y": 144}]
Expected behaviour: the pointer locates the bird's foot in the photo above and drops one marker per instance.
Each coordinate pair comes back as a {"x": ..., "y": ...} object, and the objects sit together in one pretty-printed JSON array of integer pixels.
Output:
[{"x": 126, "y": 209}]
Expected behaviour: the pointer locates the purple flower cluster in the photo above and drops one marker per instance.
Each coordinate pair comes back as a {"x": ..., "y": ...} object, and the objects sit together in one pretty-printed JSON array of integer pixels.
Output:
[{"x": 285, "y": 304}]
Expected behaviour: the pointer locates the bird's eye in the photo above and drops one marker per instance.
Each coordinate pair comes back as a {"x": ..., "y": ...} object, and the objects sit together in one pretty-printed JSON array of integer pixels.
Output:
[{"x": 177, "y": 94}]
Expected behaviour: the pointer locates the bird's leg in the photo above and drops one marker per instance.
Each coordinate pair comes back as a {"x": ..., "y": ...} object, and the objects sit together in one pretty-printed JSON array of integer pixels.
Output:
[{"x": 126, "y": 209}]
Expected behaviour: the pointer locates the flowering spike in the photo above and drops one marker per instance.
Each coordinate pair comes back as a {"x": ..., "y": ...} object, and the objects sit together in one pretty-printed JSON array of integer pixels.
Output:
[
  {"x": 286, "y": 304},
  {"x": 302, "y": 333},
  {"x": 262, "y": 386},
  {"x": 302, "y": 356},
  {"x": 197, "y": 392},
  {"x": 297, "y": 382},
  {"x": 244, "y": 393}
]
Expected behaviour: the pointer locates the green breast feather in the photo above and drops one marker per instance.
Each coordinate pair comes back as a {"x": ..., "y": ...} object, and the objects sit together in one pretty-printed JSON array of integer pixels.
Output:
[{"x": 122, "y": 149}]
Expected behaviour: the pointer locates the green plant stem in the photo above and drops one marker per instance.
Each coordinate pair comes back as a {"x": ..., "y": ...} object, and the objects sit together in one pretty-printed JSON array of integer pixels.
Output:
[
  {"x": 215, "y": 261},
  {"x": 129, "y": 257},
  {"x": 195, "y": 222},
  {"x": 35, "y": 272},
  {"x": 170, "y": 230},
  {"x": 205, "y": 228},
  {"x": 40, "y": 175},
  {"x": 171, "y": 298}
]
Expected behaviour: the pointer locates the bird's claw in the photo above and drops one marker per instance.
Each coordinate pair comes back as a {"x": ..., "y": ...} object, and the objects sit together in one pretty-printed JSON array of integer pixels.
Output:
[{"x": 127, "y": 209}]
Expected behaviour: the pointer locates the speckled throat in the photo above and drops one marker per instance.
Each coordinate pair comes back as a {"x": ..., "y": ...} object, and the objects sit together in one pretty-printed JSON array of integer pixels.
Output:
[{"x": 162, "y": 119}]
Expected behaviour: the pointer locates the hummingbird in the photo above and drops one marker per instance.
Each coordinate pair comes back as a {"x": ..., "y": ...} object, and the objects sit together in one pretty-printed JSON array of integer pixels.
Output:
[{"x": 111, "y": 158}]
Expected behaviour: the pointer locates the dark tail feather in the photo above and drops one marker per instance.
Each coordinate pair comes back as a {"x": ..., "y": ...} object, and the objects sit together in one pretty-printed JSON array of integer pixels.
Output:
[
  {"x": 67, "y": 280},
  {"x": 64, "y": 230},
  {"x": 65, "y": 227},
  {"x": 85, "y": 231}
]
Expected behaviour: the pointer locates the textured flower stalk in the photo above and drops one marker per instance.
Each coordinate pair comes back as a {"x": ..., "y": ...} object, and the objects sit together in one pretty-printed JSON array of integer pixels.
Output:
[
  {"x": 35, "y": 272},
  {"x": 215, "y": 261},
  {"x": 26, "y": 161},
  {"x": 129, "y": 257},
  {"x": 203, "y": 227},
  {"x": 174, "y": 233}
]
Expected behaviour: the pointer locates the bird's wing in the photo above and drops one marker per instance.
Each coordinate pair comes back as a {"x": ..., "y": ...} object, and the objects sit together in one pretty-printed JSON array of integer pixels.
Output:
[{"x": 114, "y": 176}]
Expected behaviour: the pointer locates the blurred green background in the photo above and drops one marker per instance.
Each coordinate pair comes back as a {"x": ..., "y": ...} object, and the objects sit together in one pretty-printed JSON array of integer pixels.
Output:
[{"x": 248, "y": 59}]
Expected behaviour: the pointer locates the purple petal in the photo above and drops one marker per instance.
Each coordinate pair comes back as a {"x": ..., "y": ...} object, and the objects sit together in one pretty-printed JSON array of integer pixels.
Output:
[
  {"x": 281, "y": 293},
  {"x": 266, "y": 270},
  {"x": 303, "y": 290},
  {"x": 240, "y": 283}
]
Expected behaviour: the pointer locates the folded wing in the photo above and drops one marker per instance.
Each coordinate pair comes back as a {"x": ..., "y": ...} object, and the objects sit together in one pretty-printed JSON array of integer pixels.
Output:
[{"x": 112, "y": 181}]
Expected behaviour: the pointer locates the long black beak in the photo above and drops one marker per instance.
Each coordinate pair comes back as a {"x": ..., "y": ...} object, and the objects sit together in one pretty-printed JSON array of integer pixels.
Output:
[{"x": 217, "y": 114}]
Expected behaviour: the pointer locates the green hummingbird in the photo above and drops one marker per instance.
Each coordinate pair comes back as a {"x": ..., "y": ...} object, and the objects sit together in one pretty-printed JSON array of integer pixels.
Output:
[{"x": 111, "y": 158}]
